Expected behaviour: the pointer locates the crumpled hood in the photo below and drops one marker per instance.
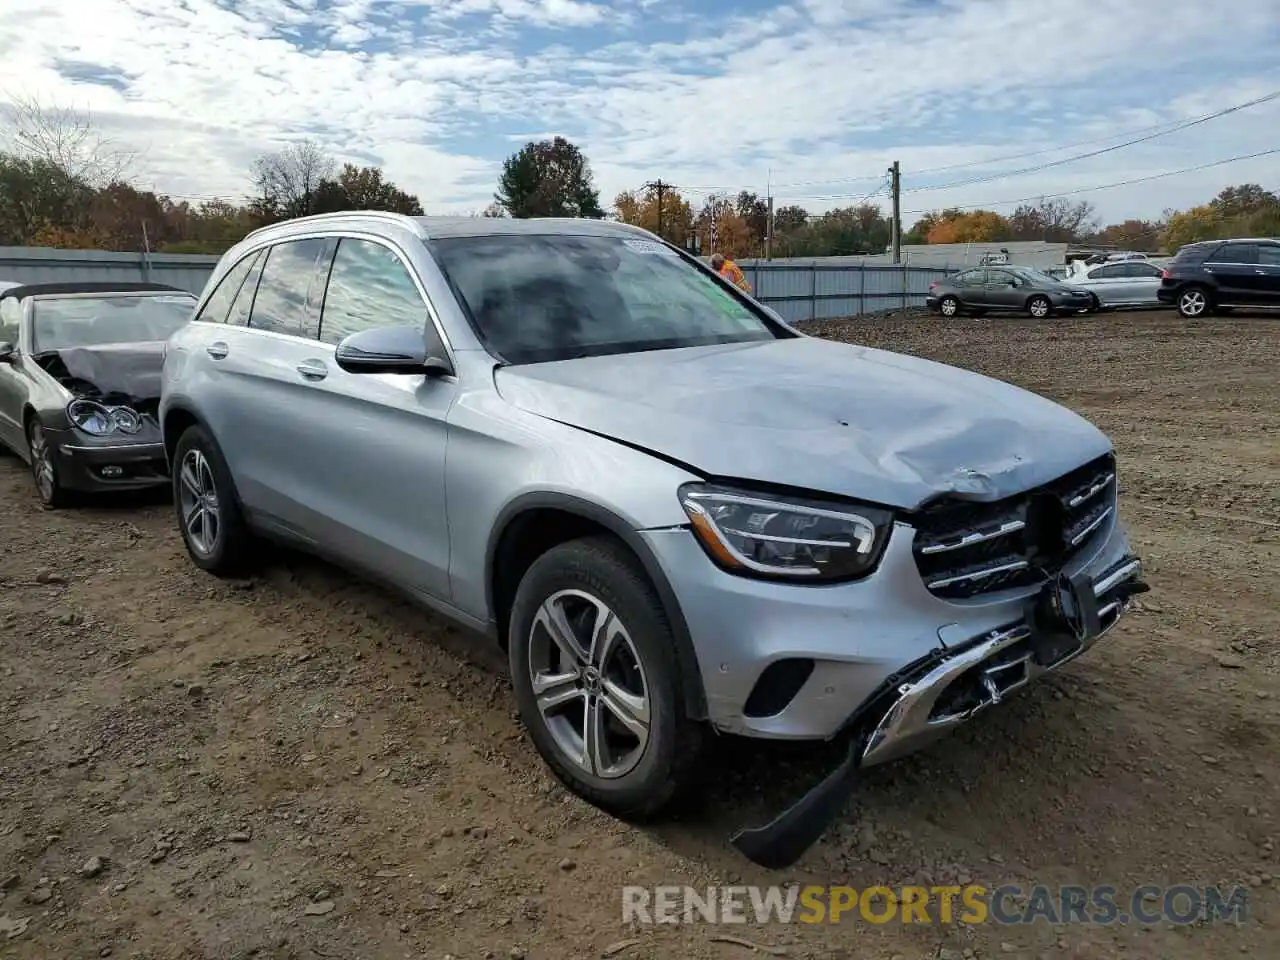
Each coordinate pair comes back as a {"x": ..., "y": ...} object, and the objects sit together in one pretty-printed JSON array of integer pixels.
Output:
[
  {"x": 816, "y": 415},
  {"x": 123, "y": 370}
]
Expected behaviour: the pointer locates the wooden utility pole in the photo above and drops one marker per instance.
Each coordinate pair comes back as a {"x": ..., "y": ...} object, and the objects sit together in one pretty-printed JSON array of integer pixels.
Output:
[
  {"x": 660, "y": 188},
  {"x": 895, "y": 185},
  {"x": 768, "y": 236}
]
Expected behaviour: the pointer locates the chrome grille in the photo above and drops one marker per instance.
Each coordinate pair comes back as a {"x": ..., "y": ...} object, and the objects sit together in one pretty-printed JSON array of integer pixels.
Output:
[{"x": 964, "y": 549}]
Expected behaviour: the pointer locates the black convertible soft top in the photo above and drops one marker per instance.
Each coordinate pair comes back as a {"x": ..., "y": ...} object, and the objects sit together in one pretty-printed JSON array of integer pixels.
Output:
[{"x": 86, "y": 286}]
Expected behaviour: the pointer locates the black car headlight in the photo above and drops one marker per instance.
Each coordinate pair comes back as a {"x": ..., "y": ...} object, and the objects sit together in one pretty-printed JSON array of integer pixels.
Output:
[
  {"x": 782, "y": 537},
  {"x": 99, "y": 420}
]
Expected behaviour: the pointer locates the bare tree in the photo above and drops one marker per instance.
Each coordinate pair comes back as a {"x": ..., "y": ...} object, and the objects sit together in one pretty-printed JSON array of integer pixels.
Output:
[
  {"x": 66, "y": 139},
  {"x": 287, "y": 179}
]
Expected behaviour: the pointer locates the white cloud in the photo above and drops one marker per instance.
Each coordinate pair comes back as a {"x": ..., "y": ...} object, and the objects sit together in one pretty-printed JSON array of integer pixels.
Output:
[{"x": 821, "y": 95}]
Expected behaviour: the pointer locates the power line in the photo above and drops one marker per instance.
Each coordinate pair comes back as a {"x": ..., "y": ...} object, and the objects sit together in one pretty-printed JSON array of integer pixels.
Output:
[
  {"x": 1107, "y": 186},
  {"x": 1138, "y": 135},
  {"x": 1097, "y": 153}
]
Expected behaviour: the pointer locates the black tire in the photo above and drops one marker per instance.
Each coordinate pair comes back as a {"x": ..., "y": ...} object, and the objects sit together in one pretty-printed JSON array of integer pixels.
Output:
[
  {"x": 1040, "y": 308},
  {"x": 44, "y": 469},
  {"x": 197, "y": 457},
  {"x": 668, "y": 764},
  {"x": 1095, "y": 305},
  {"x": 1195, "y": 301},
  {"x": 949, "y": 306}
]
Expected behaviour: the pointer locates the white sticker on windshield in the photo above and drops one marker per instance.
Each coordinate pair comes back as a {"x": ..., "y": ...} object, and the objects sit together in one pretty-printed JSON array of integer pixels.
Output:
[{"x": 649, "y": 246}]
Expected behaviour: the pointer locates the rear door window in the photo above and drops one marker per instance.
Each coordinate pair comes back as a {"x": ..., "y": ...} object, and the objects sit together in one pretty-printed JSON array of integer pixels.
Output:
[
  {"x": 294, "y": 270},
  {"x": 216, "y": 307},
  {"x": 1235, "y": 253},
  {"x": 238, "y": 316}
]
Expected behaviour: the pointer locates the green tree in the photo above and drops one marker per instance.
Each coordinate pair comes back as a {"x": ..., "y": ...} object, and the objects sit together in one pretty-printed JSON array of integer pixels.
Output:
[
  {"x": 548, "y": 178},
  {"x": 362, "y": 188}
]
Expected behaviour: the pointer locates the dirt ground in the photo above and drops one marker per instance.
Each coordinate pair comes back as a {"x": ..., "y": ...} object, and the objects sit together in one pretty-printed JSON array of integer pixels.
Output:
[{"x": 300, "y": 766}]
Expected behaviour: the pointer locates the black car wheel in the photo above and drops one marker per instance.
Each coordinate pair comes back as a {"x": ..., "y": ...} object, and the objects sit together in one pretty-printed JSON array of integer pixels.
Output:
[
  {"x": 44, "y": 471},
  {"x": 204, "y": 497},
  {"x": 949, "y": 306},
  {"x": 1039, "y": 307},
  {"x": 1194, "y": 302},
  {"x": 593, "y": 665}
]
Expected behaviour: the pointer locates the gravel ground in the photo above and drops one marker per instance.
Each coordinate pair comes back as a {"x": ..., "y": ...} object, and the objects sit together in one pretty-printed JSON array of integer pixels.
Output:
[{"x": 300, "y": 766}]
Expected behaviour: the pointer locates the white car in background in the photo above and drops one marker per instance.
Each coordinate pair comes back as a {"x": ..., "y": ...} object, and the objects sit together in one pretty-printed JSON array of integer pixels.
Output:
[{"x": 1119, "y": 283}]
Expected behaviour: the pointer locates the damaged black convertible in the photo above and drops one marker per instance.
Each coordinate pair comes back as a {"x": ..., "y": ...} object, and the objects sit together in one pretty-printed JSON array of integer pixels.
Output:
[{"x": 80, "y": 367}]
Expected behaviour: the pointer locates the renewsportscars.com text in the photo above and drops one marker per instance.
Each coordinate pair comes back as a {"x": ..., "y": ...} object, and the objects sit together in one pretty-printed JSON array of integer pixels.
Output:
[{"x": 972, "y": 904}]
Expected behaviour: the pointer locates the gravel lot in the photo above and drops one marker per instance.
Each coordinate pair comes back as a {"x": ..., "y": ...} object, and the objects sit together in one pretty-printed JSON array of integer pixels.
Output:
[{"x": 300, "y": 766}]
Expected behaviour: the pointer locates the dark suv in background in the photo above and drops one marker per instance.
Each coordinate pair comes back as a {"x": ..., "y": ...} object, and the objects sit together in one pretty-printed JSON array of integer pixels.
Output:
[{"x": 1221, "y": 274}]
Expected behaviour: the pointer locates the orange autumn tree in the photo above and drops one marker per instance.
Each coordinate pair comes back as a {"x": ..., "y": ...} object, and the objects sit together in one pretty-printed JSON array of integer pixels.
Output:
[
  {"x": 718, "y": 219},
  {"x": 972, "y": 226},
  {"x": 640, "y": 208}
]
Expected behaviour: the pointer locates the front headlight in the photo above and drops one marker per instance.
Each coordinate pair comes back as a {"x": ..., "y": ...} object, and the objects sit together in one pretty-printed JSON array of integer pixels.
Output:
[
  {"x": 773, "y": 536},
  {"x": 100, "y": 420}
]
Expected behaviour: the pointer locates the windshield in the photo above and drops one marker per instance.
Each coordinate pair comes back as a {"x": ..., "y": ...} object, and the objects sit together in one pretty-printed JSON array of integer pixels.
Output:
[
  {"x": 555, "y": 297},
  {"x": 93, "y": 321}
]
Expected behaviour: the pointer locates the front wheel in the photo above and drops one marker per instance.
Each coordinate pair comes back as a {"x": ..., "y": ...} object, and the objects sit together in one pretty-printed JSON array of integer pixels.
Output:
[
  {"x": 1095, "y": 305},
  {"x": 208, "y": 512},
  {"x": 1039, "y": 307},
  {"x": 1193, "y": 303},
  {"x": 44, "y": 470},
  {"x": 593, "y": 665}
]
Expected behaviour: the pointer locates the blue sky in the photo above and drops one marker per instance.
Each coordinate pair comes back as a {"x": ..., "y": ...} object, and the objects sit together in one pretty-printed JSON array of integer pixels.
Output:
[{"x": 817, "y": 97}]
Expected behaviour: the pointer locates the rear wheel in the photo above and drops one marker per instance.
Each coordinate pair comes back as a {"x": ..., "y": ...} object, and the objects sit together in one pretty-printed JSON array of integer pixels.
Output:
[
  {"x": 1039, "y": 307},
  {"x": 593, "y": 665},
  {"x": 949, "y": 306},
  {"x": 1194, "y": 302}
]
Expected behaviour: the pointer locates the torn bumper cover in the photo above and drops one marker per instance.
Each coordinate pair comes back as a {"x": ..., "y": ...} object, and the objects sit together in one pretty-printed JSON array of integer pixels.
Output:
[{"x": 1064, "y": 619}]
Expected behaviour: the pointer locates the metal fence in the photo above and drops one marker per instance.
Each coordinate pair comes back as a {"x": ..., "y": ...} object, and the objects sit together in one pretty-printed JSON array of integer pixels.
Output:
[
  {"x": 187, "y": 271},
  {"x": 813, "y": 290},
  {"x": 821, "y": 291}
]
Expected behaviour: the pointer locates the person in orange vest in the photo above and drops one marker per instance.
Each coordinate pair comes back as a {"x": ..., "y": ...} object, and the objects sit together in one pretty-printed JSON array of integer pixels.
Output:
[{"x": 730, "y": 271}]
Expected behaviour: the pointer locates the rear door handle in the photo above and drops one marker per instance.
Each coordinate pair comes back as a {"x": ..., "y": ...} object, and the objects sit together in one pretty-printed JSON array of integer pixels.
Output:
[
  {"x": 312, "y": 369},
  {"x": 1263, "y": 272},
  {"x": 217, "y": 350}
]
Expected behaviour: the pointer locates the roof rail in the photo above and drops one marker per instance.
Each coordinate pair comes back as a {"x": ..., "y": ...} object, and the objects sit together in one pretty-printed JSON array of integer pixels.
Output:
[{"x": 402, "y": 219}]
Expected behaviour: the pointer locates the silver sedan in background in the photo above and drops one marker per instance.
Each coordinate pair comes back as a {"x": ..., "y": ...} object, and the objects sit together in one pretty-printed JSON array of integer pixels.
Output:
[{"x": 1128, "y": 283}]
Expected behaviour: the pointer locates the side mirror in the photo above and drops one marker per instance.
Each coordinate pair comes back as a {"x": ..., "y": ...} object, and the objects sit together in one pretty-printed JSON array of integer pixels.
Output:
[
  {"x": 7, "y": 352},
  {"x": 406, "y": 350}
]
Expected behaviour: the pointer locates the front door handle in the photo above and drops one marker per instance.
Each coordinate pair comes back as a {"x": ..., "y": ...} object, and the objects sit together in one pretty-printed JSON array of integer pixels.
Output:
[
  {"x": 312, "y": 369},
  {"x": 1263, "y": 272},
  {"x": 217, "y": 350}
]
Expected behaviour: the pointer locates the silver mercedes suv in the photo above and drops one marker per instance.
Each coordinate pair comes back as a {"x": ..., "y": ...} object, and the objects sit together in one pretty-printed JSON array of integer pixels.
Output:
[{"x": 679, "y": 516}]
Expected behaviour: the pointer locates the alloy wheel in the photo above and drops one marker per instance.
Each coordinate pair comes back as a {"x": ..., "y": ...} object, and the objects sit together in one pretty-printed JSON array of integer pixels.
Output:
[
  {"x": 198, "y": 498},
  {"x": 949, "y": 307},
  {"x": 42, "y": 463},
  {"x": 589, "y": 684},
  {"x": 1039, "y": 308},
  {"x": 1192, "y": 303}
]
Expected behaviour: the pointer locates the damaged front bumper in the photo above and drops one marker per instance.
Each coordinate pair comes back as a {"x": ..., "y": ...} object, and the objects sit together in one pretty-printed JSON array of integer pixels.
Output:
[
  {"x": 965, "y": 683},
  {"x": 96, "y": 466},
  {"x": 1065, "y": 619}
]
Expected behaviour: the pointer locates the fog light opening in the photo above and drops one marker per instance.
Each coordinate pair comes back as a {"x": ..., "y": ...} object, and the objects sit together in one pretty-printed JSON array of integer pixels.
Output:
[
  {"x": 112, "y": 471},
  {"x": 777, "y": 687}
]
